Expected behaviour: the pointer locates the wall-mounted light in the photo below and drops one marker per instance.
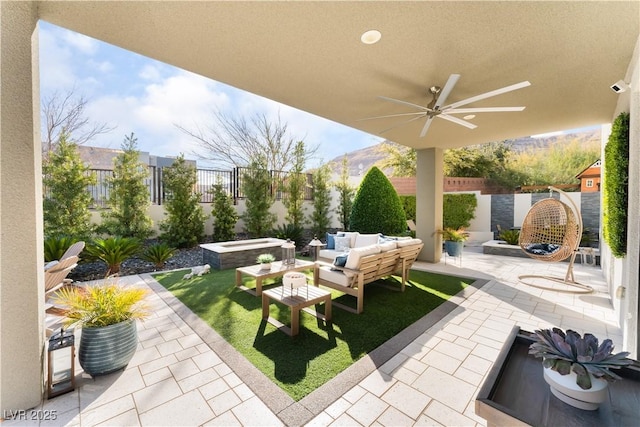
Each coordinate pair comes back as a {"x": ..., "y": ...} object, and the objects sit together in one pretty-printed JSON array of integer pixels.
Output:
[{"x": 619, "y": 86}]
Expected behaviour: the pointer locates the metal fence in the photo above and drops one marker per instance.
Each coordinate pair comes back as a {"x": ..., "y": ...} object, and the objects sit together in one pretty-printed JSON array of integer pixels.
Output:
[{"x": 231, "y": 182}]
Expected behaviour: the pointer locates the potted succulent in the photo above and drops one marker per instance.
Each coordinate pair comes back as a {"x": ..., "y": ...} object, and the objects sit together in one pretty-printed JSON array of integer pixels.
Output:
[
  {"x": 265, "y": 261},
  {"x": 577, "y": 368},
  {"x": 453, "y": 240},
  {"x": 107, "y": 315}
]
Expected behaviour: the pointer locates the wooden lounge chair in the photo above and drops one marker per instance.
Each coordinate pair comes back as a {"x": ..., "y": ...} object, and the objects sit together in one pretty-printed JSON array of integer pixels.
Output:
[{"x": 55, "y": 276}]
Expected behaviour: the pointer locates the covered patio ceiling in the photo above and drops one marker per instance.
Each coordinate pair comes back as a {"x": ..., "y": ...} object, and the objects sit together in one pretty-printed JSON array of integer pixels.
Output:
[{"x": 309, "y": 55}]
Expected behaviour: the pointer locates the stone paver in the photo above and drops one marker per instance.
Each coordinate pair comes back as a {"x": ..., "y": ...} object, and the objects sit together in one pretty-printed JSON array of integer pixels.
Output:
[{"x": 177, "y": 378}]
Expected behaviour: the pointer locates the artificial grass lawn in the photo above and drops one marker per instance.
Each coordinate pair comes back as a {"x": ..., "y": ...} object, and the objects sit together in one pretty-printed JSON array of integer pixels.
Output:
[{"x": 301, "y": 364}]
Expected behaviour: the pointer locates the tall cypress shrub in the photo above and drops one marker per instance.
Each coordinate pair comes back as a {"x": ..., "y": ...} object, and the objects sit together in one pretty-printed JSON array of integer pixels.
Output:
[
  {"x": 256, "y": 186},
  {"x": 616, "y": 186},
  {"x": 377, "y": 207},
  {"x": 320, "y": 220},
  {"x": 224, "y": 214}
]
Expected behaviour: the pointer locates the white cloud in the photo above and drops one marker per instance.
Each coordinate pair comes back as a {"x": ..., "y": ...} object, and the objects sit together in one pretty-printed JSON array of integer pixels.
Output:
[
  {"x": 56, "y": 71},
  {"x": 80, "y": 42},
  {"x": 150, "y": 72}
]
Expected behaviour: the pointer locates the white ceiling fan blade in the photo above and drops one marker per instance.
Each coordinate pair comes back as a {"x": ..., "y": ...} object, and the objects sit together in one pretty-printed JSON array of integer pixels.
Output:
[
  {"x": 458, "y": 121},
  {"x": 448, "y": 87},
  {"x": 393, "y": 115},
  {"x": 397, "y": 101},
  {"x": 426, "y": 126},
  {"x": 483, "y": 110},
  {"x": 403, "y": 123},
  {"x": 487, "y": 95}
]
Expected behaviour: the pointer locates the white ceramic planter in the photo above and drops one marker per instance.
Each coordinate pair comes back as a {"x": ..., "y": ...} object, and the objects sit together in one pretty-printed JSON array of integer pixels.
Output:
[
  {"x": 265, "y": 266},
  {"x": 564, "y": 387}
]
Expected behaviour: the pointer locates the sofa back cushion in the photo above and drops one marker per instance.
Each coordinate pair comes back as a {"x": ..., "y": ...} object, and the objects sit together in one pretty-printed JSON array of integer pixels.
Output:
[
  {"x": 387, "y": 246},
  {"x": 408, "y": 242},
  {"x": 366, "y": 240},
  {"x": 353, "y": 260}
]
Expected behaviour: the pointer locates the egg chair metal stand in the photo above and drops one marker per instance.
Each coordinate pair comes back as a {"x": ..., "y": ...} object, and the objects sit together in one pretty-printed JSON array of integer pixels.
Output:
[{"x": 551, "y": 232}]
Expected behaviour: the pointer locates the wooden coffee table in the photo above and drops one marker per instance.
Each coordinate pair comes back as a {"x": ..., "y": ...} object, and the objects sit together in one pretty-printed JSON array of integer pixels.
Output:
[
  {"x": 277, "y": 270},
  {"x": 299, "y": 299}
]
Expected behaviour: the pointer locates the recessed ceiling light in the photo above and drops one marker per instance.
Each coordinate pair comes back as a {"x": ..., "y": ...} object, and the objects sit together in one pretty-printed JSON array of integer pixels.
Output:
[
  {"x": 371, "y": 37},
  {"x": 469, "y": 117}
]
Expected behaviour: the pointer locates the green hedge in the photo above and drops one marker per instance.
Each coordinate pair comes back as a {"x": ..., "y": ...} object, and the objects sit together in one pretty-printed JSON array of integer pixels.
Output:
[
  {"x": 616, "y": 186},
  {"x": 458, "y": 210},
  {"x": 409, "y": 206}
]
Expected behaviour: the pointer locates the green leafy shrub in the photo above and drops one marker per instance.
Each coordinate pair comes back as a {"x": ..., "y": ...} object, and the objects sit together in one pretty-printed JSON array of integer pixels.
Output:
[
  {"x": 458, "y": 210},
  {"x": 409, "y": 206},
  {"x": 128, "y": 195},
  {"x": 319, "y": 217},
  {"x": 66, "y": 202},
  {"x": 113, "y": 251},
  {"x": 158, "y": 254},
  {"x": 184, "y": 225},
  {"x": 289, "y": 231},
  {"x": 616, "y": 186},
  {"x": 224, "y": 214},
  {"x": 453, "y": 235},
  {"x": 256, "y": 186},
  {"x": 377, "y": 207},
  {"x": 512, "y": 237},
  {"x": 55, "y": 247},
  {"x": 345, "y": 194}
]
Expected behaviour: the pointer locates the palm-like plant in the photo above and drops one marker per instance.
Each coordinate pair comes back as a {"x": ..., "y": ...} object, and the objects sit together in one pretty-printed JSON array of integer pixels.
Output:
[
  {"x": 55, "y": 247},
  {"x": 158, "y": 254},
  {"x": 565, "y": 351},
  {"x": 113, "y": 251},
  {"x": 96, "y": 306}
]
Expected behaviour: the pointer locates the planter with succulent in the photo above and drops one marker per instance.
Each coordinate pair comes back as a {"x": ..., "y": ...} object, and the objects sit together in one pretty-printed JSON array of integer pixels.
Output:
[
  {"x": 577, "y": 368},
  {"x": 107, "y": 315},
  {"x": 453, "y": 240},
  {"x": 265, "y": 261}
]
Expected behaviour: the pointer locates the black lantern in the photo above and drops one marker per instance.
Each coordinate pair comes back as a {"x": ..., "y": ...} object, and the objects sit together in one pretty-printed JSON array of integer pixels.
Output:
[
  {"x": 288, "y": 253},
  {"x": 61, "y": 363},
  {"x": 315, "y": 246}
]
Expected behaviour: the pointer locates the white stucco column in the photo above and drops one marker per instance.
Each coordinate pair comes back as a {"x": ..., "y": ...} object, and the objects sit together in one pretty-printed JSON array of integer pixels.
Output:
[
  {"x": 429, "y": 202},
  {"x": 21, "y": 253}
]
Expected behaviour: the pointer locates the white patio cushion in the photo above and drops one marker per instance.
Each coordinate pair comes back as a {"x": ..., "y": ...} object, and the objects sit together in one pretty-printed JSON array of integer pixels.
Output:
[
  {"x": 333, "y": 276},
  {"x": 343, "y": 243},
  {"x": 351, "y": 235},
  {"x": 408, "y": 242},
  {"x": 387, "y": 246},
  {"x": 356, "y": 253},
  {"x": 366, "y": 240}
]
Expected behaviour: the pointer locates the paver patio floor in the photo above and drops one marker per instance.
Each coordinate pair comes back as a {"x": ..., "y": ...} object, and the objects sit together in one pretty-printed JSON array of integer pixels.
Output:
[{"x": 183, "y": 373}]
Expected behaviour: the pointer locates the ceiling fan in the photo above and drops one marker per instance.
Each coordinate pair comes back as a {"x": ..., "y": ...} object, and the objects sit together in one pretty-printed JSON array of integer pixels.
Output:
[{"x": 436, "y": 107}]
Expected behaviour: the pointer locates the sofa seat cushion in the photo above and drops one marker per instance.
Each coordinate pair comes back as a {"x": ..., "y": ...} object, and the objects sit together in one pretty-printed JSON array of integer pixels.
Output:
[
  {"x": 365, "y": 240},
  {"x": 333, "y": 276},
  {"x": 329, "y": 254},
  {"x": 355, "y": 254}
]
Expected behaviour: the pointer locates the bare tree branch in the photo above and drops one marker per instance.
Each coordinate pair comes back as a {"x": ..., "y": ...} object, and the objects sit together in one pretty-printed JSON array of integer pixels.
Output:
[
  {"x": 65, "y": 113},
  {"x": 233, "y": 141}
]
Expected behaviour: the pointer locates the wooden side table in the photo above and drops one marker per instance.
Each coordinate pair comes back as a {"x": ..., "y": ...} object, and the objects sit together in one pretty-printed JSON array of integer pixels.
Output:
[
  {"x": 296, "y": 299},
  {"x": 277, "y": 270}
]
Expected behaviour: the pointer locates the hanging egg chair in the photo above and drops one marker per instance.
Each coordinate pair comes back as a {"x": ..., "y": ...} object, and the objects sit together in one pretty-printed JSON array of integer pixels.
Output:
[{"x": 551, "y": 232}]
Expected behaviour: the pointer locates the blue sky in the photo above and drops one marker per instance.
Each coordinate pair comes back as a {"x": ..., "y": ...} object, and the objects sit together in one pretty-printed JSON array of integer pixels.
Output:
[{"x": 147, "y": 97}]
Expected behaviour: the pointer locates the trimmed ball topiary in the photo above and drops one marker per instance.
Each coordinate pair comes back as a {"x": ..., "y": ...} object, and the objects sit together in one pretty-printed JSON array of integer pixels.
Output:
[{"x": 377, "y": 207}]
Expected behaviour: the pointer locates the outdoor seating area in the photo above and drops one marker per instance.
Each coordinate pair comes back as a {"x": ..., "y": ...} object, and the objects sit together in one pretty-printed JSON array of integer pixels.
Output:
[{"x": 182, "y": 363}]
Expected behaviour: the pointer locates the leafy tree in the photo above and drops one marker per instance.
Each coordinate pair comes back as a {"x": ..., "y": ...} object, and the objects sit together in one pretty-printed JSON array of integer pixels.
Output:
[
  {"x": 377, "y": 207},
  {"x": 128, "y": 195},
  {"x": 184, "y": 226},
  {"x": 345, "y": 194},
  {"x": 224, "y": 214},
  {"x": 401, "y": 159},
  {"x": 295, "y": 185},
  {"x": 256, "y": 187},
  {"x": 616, "y": 186},
  {"x": 66, "y": 204},
  {"x": 63, "y": 115},
  {"x": 233, "y": 141},
  {"x": 320, "y": 220},
  {"x": 458, "y": 210}
]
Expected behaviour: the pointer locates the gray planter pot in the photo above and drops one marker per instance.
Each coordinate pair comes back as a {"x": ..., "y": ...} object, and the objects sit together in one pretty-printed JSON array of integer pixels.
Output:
[
  {"x": 453, "y": 248},
  {"x": 107, "y": 349}
]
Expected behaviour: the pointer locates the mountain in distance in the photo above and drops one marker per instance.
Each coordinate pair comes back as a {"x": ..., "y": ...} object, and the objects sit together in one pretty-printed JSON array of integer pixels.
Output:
[{"x": 360, "y": 161}]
